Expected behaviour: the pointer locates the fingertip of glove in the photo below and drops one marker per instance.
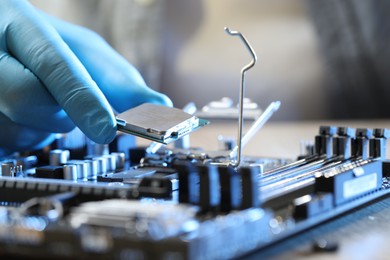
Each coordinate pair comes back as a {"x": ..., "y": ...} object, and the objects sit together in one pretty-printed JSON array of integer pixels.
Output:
[
  {"x": 161, "y": 99},
  {"x": 108, "y": 138},
  {"x": 102, "y": 131},
  {"x": 165, "y": 100},
  {"x": 106, "y": 134}
]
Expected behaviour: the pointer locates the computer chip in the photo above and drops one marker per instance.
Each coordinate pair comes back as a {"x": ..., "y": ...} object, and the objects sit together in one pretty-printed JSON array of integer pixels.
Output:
[{"x": 158, "y": 123}]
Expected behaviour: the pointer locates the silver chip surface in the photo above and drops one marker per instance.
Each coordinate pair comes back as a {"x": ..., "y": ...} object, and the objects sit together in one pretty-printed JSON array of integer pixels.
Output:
[{"x": 158, "y": 123}]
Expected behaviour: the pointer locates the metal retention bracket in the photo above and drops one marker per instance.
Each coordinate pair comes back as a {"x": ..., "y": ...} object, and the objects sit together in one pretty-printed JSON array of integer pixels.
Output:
[
  {"x": 235, "y": 162},
  {"x": 274, "y": 106}
]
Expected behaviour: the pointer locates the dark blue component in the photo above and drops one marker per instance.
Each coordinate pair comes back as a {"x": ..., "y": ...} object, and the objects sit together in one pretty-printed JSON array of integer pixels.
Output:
[
  {"x": 378, "y": 148},
  {"x": 381, "y": 133},
  {"x": 136, "y": 154},
  {"x": 230, "y": 188},
  {"x": 386, "y": 168},
  {"x": 342, "y": 144},
  {"x": 209, "y": 196},
  {"x": 188, "y": 181},
  {"x": 323, "y": 141},
  {"x": 327, "y": 130},
  {"x": 364, "y": 132},
  {"x": 49, "y": 172},
  {"x": 157, "y": 186},
  {"x": 346, "y": 131},
  {"x": 351, "y": 180},
  {"x": 378, "y": 143},
  {"x": 249, "y": 187},
  {"x": 360, "y": 146}
]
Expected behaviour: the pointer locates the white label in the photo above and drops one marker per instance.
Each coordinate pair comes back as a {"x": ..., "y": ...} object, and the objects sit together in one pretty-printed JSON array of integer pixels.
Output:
[{"x": 360, "y": 185}]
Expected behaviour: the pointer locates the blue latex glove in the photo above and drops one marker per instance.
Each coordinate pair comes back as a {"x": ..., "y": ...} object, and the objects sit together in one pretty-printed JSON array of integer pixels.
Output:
[
  {"x": 45, "y": 89},
  {"x": 119, "y": 81}
]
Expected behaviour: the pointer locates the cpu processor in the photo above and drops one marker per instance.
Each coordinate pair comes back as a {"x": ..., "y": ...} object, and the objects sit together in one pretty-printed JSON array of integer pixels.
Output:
[{"x": 158, "y": 123}]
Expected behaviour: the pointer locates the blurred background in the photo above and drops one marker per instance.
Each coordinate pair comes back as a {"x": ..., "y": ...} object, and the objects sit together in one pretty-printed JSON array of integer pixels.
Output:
[{"x": 322, "y": 59}]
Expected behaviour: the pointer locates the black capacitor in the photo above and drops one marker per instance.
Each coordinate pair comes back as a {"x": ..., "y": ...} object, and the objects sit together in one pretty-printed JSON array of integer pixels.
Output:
[
  {"x": 230, "y": 188},
  {"x": 136, "y": 154},
  {"x": 360, "y": 147},
  {"x": 381, "y": 133},
  {"x": 188, "y": 181},
  {"x": 209, "y": 196},
  {"x": 249, "y": 186},
  {"x": 386, "y": 168},
  {"x": 342, "y": 144},
  {"x": 323, "y": 142}
]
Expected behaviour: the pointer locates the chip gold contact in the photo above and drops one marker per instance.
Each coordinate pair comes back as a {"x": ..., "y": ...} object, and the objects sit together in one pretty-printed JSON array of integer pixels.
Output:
[{"x": 158, "y": 123}]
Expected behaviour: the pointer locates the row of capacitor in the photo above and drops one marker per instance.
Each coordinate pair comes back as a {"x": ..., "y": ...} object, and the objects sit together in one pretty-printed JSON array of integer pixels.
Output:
[{"x": 62, "y": 167}]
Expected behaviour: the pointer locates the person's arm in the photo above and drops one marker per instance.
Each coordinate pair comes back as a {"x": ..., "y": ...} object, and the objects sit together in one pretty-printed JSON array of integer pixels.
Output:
[{"x": 45, "y": 88}]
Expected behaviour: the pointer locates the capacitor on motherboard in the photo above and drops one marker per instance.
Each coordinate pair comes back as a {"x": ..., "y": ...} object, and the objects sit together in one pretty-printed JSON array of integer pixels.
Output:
[
  {"x": 120, "y": 160},
  {"x": 101, "y": 165},
  {"x": 111, "y": 162},
  {"x": 82, "y": 168},
  {"x": 70, "y": 172},
  {"x": 58, "y": 157},
  {"x": 92, "y": 166}
]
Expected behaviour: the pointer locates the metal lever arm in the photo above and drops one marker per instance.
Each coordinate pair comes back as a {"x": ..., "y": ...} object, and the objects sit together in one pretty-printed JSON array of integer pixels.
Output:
[{"x": 236, "y": 162}]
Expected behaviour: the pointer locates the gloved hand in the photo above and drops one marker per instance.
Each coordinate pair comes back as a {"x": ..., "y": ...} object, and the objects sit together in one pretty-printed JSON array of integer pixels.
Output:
[{"x": 45, "y": 89}]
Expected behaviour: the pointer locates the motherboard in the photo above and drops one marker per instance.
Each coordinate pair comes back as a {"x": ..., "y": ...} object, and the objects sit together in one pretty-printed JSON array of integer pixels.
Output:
[
  {"x": 76, "y": 199},
  {"x": 121, "y": 201}
]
